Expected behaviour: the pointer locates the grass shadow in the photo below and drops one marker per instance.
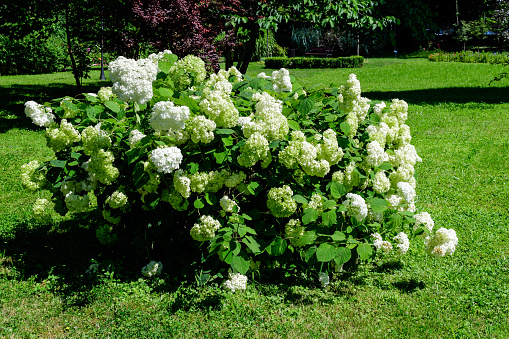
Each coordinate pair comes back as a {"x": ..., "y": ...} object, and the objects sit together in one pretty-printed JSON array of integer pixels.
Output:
[
  {"x": 432, "y": 96},
  {"x": 409, "y": 285},
  {"x": 13, "y": 98}
]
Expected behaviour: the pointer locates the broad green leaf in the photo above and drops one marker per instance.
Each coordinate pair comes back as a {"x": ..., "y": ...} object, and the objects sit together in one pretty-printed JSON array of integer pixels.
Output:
[
  {"x": 300, "y": 199},
  {"x": 140, "y": 177},
  {"x": 365, "y": 251},
  {"x": 378, "y": 205},
  {"x": 251, "y": 244},
  {"x": 325, "y": 252},
  {"x": 198, "y": 203},
  {"x": 306, "y": 106},
  {"x": 386, "y": 166},
  {"x": 165, "y": 92},
  {"x": 112, "y": 105},
  {"x": 221, "y": 157},
  {"x": 210, "y": 198},
  {"x": 309, "y": 255},
  {"x": 309, "y": 215},
  {"x": 224, "y": 131},
  {"x": 58, "y": 163},
  {"x": 329, "y": 204},
  {"x": 240, "y": 264},
  {"x": 91, "y": 113},
  {"x": 277, "y": 247},
  {"x": 193, "y": 168},
  {"x": 338, "y": 236},
  {"x": 307, "y": 238},
  {"x": 165, "y": 66},
  {"x": 337, "y": 190},
  {"x": 294, "y": 125},
  {"x": 343, "y": 254},
  {"x": 345, "y": 128},
  {"x": 329, "y": 218},
  {"x": 253, "y": 187},
  {"x": 228, "y": 141},
  {"x": 132, "y": 155}
]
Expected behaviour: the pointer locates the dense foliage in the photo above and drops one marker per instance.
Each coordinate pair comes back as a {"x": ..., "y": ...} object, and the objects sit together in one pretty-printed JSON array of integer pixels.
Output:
[
  {"x": 471, "y": 56},
  {"x": 299, "y": 62},
  {"x": 223, "y": 171}
]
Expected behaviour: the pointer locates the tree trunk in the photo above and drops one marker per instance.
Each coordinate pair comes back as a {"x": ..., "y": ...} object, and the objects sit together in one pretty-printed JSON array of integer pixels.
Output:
[
  {"x": 249, "y": 48},
  {"x": 70, "y": 50},
  {"x": 228, "y": 59}
]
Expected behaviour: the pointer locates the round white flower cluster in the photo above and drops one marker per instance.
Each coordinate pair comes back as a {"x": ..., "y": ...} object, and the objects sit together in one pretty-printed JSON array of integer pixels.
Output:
[
  {"x": 132, "y": 79},
  {"x": 442, "y": 243},
  {"x": 152, "y": 269},
  {"x": 376, "y": 154},
  {"x": 182, "y": 70},
  {"x": 117, "y": 200},
  {"x": 424, "y": 220},
  {"x": 105, "y": 94},
  {"x": 168, "y": 117},
  {"x": 40, "y": 115},
  {"x": 268, "y": 119},
  {"x": 229, "y": 205},
  {"x": 255, "y": 149},
  {"x": 134, "y": 137},
  {"x": 323, "y": 278},
  {"x": 94, "y": 139},
  {"x": 356, "y": 206},
  {"x": 201, "y": 129},
  {"x": 351, "y": 101},
  {"x": 220, "y": 108},
  {"x": 166, "y": 159},
  {"x": 294, "y": 231},
  {"x": 403, "y": 242},
  {"x": 42, "y": 210},
  {"x": 380, "y": 244},
  {"x": 236, "y": 282},
  {"x": 280, "y": 202},
  {"x": 100, "y": 167},
  {"x": 61, "y": 138},
  {"x": 206, "y": 229},
  {"x": 281, "y": 81},
  {"x": 30, "y": 178}
]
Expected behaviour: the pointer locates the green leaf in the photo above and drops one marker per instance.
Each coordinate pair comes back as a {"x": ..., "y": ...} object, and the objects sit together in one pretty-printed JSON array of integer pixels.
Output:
[
  {"x": 165, "y": 92},
  {"x": 165, "y": 66},
  {"x": 309, "y": 215},
  {"x": 378, "y": 205},
  {"x": 198, "y": 203},
  {"x": 240, "y": 264},
  {"x": 329, "y": 218},
  {"x": 210, "y": 198},
  {"x": 386, "y": 166},
  {"x": 300, "y": 199},
  {"x": 337, "y": 190},
  {"x": 294, "y": 125},
  {"x": 309, "y": 255},
  {"x": 58, "y": 163},
  {"x": 329, "y": 204},
  {"x": 91, "y": 113},
  {"x": 254, "y": 187},
  {"x": 338, "y": 236},
  {"x": 193, "y": 168},
  {"x": 224, "y": 131},
  {"x": 396, "y": 220},
  {"x": 140, "y": 177},
  {"x": 306, "y": 106},
  {"x": 227, "y": 141},
  {"x": 365, "y": 251},
  {"x": 325, "y": 252},
  {"x": 307, "y": 238},
  {"x": 251, "y": 244},
  {"x": 221, "y": 157},
  {"x": 277, "y": 247},
  {"x": 112, "y": 105},
  {"x": 343, "y": 255},
  {"x": 345, "y": 128}
]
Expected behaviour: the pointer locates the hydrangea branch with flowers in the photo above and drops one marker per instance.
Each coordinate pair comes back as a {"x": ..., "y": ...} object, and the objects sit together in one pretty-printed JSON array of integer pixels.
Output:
[{"x": 250, "y": 174}]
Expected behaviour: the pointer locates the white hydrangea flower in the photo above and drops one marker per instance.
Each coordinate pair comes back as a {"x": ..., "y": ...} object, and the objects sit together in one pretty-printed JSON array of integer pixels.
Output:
[
  {"x": 243, "y": 121},
  {"x": 356, "y": 206},
  {"x": 236, "y": 282},
  {"x": 228, "y": 205},
  {"x": 381, "y": 184},
  {"x": 182, "y": 183},
  {"x": 235, "y": 179},
  {"x": 220, "y": 108},
  {"x": 201, "y": 129},
  {"x": 255, "y": 149},
  {"x": 166, "y": 159},
  {"x": 77, "y": 203},
  {"x": 105, "y": 94},
  {"x": 152, "y": 269},
  {"x": 42, "y": 210},
  {"x": 405, "y": 155},
  {"x": 380, "y": 244},
  {"x": 378, "y": 133},
  {"x": 323, "y": 278},
  {"x": 424, "y": 220},
  {"x": 442, "y": 243},
  {"x": 132, "y": 79},
  {"x": 281, "y": 81},
  {"x": 168, "y": 117},
  {"x": 406, "y": 191},
  {"x": 269, "y": 119},
  {"x": 376, "y": 154},
  {"x": 403, "y": 242},
  {"x": 206, "y": 229},
  {"x": 40, "y": 115},
  {"x": 134, "y": 137},
  {"x": 117, "y": 200}
]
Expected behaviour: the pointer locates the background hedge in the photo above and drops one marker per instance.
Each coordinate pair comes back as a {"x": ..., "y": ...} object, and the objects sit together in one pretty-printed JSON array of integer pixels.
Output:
[{"x": 301, "y": 62}]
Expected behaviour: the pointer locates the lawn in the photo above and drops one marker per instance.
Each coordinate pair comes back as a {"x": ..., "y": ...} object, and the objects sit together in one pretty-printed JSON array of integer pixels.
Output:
[{"x": 459, "y": 127}]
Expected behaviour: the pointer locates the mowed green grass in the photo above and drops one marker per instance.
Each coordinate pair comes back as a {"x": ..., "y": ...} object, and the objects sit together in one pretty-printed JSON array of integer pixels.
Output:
[{"x": 460, "y": 129}]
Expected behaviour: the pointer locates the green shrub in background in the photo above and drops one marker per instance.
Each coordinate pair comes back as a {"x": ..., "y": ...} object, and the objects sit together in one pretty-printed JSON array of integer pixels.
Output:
[
  {"x": 267, "y": 46},
  {"x": 39, "y": 52},
  {"x": 471, "y": 57},
  {"x": 305, "y": 38},
  {"x": 300, "y": 62}
]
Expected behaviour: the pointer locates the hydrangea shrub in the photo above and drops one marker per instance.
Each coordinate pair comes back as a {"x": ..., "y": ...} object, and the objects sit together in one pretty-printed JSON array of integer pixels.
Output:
[{"x": 255, "y": 173}]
